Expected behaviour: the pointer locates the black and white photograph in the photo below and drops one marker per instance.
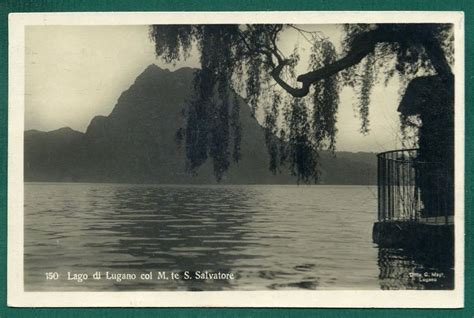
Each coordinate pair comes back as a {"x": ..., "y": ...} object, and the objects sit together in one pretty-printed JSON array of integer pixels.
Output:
[{"x": 293, "y": 154}]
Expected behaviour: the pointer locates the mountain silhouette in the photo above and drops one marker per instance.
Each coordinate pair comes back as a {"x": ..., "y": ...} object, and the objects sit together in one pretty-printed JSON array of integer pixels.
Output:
[{"x": 136, "y": 143}]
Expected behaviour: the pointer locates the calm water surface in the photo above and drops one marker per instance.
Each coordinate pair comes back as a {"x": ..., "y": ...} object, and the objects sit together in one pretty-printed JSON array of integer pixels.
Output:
[{"x": 267, "y": 237}]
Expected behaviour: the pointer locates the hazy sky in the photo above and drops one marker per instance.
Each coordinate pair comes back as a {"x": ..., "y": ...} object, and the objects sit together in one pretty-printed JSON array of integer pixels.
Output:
[{"x": 74, "y": 73}]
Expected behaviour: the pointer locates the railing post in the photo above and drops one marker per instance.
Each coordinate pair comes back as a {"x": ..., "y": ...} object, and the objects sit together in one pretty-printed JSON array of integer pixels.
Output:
[
  {"x": 379, "y": 199},
  {"x": 406, "y": 185}
]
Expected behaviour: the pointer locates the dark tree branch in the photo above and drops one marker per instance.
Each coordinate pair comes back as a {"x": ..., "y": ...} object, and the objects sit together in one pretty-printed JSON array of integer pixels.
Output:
[
  {"x": 303, "y": 33},
  {"x": 437, "y": 57},
  {"x": 252, "y": 50},
  {"x": 362, "y": 46},
  {"x": 296, "y": 92}
]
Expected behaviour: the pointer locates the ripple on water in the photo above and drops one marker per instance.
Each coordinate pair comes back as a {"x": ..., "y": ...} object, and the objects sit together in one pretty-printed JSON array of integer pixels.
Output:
[{"x": 269, "y": 237}]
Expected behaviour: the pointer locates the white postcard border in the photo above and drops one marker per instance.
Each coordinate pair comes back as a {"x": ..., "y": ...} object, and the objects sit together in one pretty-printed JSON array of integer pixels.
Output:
[{"x": 16, "y": 295}]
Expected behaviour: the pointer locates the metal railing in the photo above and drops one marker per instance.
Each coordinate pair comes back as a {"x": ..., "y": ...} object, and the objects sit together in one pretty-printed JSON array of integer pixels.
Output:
[{"x": 410, "y": 189}]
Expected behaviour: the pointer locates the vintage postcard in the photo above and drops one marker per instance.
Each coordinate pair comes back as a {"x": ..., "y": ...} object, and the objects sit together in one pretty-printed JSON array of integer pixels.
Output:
[{"x": 236, "y": 159}]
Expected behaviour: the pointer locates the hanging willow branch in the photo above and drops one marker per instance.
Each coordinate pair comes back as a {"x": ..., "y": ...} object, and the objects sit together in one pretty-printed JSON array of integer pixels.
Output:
[{"x": 246, "y": 60}]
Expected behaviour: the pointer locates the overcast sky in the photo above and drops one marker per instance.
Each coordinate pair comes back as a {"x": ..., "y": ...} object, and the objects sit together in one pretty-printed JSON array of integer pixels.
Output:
[{"x": 73, "y": 73}]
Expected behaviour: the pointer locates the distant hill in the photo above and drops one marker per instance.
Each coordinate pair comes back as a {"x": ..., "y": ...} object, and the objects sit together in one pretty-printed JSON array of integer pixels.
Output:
[{"x": 136, "y": 144}]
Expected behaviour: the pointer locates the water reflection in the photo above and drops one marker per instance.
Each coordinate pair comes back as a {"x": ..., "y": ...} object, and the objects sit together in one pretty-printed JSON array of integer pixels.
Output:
[
  {"x": 409, "y": 269},
  {"x": 268, "y": 237},
  {"x": 204, "y": 234}
]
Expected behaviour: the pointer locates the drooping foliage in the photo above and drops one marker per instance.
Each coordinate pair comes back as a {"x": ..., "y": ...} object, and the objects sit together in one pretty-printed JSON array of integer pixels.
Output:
[
  {"x": 298, "y": 113},
  {"x": 404, "y": 55}
]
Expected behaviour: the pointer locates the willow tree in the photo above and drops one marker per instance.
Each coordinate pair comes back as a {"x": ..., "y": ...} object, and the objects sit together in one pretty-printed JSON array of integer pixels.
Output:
[{"x": 300, "y": 110}]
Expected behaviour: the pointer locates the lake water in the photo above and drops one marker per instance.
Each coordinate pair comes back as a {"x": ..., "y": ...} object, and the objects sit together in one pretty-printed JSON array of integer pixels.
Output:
[{"x": 255, "y": 237}]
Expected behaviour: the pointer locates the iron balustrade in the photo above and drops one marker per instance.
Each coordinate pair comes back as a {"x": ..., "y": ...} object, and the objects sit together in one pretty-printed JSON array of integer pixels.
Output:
[{"x": 410, "y": 189}]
